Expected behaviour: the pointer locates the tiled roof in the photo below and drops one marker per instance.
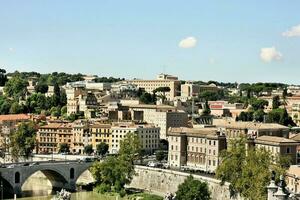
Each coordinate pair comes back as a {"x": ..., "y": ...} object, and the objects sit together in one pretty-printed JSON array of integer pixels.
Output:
[
  {"x": 57, "y": 125},
  {"x": 14, "y": 117},
  {"x": 273, "y": 139},
  {"x": 248, "y": 125},
  {"x": 192, "y": 131}
]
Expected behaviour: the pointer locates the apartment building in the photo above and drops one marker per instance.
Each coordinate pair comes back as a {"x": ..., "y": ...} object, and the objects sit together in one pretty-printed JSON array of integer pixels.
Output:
[
  {"x": 147, "y": 133},
  {"x": 9, "y": 124},
  {"x": 162, "y": 116},
  {"x": 50, "y": 136},
  {"x": 195, "y": 148},
  {"x": 296, "y": 113},
  {"x": 81, "y": 136},
  {"x": 163, "y": 80},
  {"x": 100, "y": 133},
  {"x": 278, "y": 146}
]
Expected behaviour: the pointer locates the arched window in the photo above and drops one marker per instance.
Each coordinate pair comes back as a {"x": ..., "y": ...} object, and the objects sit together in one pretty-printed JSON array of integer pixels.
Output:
[
  {"x": 17, "y": 177},
  {"x": 72, "y": 173}
]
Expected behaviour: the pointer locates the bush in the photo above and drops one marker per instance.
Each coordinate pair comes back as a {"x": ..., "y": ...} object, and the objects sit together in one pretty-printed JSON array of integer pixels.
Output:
[{"x": 102, "y": 188}]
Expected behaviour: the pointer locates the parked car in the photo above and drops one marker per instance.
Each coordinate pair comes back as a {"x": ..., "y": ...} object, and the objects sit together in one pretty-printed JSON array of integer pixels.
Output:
[
  {"x": 11, "y": 166},
  {"x": 34, "y": 164}
]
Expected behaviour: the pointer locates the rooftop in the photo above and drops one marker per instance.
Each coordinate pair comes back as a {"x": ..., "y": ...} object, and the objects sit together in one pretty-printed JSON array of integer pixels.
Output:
[
  {"x": 14, "y": 117},
  {"x": 248, "y": 125},
  {"x": 193, "y": 131},
  {"x": 58, "y": 125},
  {"x": 273, "y": 139}
]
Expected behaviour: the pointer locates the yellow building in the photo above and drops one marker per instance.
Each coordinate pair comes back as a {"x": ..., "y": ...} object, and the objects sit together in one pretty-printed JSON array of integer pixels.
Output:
[{"x": 100, "y": 133}]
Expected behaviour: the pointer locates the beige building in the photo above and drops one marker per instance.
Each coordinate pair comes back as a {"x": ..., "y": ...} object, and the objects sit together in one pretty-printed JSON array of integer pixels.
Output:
[
  {"x": 278, "y": 146},
  {"x": 189, "y": 90},
  {"x": 292, "y": 179},
  {"x": 147, "y": 133},
  {"x": 195, "y": 148},
  {"x": 100, "y": 133},
  {"x": 81, "y": 137},
  {"x": 162, "y": 116},
  {"x": 163, "y": 80},
  {"x": 49, "y": 137}
]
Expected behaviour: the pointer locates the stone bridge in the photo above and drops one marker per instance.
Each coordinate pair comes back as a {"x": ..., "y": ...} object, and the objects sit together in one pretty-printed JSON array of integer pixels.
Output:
[{"x": 61, "y": 174}]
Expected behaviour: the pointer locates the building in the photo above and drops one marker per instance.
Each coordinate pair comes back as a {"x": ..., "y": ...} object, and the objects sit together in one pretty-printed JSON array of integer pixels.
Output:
[
  {"x": 162, "y": 116},
  {"x": 296, "y": 113},
  {"x": 195, "y": 148},
  {"x": 81, "y": 137},
  {"x": 9, "y": 124},
  {"x": 278, "y": 146},
  {"x": 163, "y": 80},
  {"x": 190, "y": 90},
  {"x": 50, "y": 136},
  {"x": 233, "y": 129},
  {"x": 208, "y": 88},
  {"x": 147, "y": 133},
  {"x": 293, "y": 179},
  {"x": 100, "y": 133}
]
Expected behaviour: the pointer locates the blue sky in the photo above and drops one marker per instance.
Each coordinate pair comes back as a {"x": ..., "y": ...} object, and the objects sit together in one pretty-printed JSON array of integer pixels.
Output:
[{"x": 138, "y": 38}]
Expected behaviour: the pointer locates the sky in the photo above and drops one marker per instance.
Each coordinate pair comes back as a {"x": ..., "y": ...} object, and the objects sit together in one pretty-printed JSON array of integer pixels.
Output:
[{"x": 232, "y": 40}]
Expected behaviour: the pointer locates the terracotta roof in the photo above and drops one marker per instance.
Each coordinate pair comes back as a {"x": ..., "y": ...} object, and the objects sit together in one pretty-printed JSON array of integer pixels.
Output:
[
  {"x": 273, "y": 139},
  {"x": 14, "y": 117},
  {"x": 58, "y": 125},
  {"x": 192, "y": 131},
  {"x": 152, "y": 106},
  {"x": 100, "y": 126},
  {"x": 248, "y": 125}
]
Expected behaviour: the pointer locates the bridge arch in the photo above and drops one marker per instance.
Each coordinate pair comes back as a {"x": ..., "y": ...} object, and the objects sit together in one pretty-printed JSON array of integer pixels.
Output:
[
  {"x": 7, "y": 187},
  {"x": 56, "y": 177}
]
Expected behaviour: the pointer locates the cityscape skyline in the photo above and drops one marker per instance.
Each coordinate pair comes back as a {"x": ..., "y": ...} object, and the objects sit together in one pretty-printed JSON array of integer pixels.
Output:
[{"x": 198, "y": 40}]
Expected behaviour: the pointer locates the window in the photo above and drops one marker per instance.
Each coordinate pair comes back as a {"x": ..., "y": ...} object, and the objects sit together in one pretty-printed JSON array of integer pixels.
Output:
[{"x": 288, "y": 150}]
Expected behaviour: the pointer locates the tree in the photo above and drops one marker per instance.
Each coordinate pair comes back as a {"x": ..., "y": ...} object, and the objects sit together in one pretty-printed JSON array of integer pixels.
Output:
[
  {"x": 148, "y": 98},
  {"x": 192, "y": 189},
  {"x": 63, "y": 110},
  {"x": 56, "y": 96},
  {"x": 23, "y": 140},
  {"x": 3, "y": 77},
  {"x": 15, "y": 87},
  {"x": 280, "y": 116},
  {"x": 88, "y": 149},
  {"x": 102, "y": 148},
  {"x": 259, "y": 115},
  {"x": 257, "y": 104},
  {"x": 160, "y": 155},
  {"x": 114, "y": 172},
  {"x": 206, "y": 109},
  {"x": 162, "y": 90},
  {"x": 64, "y": 148},
  {"x": 41, "y": 87},
  {"x": 248, "y": 170},
  {"x": 276, "y": 102}
]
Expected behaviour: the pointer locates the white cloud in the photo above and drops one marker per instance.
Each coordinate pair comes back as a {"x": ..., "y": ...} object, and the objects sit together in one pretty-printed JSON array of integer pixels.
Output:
[
  {"x": 269, "y": 54},
  {"x": 293, "y": 32},
  {"x": 11, "y": 49},
  {"x": 188, "y": 42}
]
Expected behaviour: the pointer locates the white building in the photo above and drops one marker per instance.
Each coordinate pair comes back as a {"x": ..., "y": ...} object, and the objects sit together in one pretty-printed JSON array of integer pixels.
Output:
[{"x": 147, "y": 133}]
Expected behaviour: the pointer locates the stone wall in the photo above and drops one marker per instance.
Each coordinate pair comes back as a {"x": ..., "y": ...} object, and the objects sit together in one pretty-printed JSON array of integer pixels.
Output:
[{"x": 161, "y": 181}]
